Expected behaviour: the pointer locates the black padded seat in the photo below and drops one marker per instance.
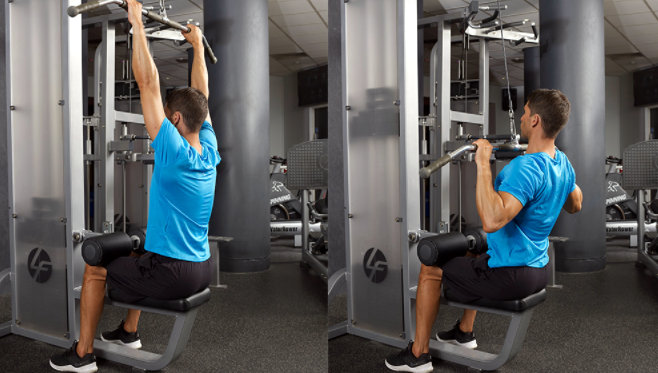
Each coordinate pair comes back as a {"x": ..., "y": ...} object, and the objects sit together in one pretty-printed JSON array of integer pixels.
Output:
[
  {"x": 180, "y": 305},
  {"x": 517, "y": 305}
]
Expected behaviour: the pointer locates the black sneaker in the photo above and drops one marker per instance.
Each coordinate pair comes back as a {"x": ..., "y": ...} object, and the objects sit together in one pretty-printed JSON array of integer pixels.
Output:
[
  {"x": 456, "y": 336},
  {"x": 122, "y": 337},
  {"x": 69, "y": 361},
  {"x": 405, "y": 361}
]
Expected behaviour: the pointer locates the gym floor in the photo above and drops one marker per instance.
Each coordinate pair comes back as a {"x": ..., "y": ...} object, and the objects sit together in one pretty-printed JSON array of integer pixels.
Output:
[
  {"x": 272, "y": 321},
  {"x": 597, "y": 322}
]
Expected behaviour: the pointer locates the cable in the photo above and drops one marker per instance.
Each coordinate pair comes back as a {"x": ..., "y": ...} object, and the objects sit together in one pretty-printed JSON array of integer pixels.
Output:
[{"x": 509, "y": 94}]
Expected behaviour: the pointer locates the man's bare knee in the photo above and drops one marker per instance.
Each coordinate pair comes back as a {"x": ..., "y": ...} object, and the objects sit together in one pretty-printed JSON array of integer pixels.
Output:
[
  {"x": 94, "y": 273},
  {"x": 430, "y": 273}
]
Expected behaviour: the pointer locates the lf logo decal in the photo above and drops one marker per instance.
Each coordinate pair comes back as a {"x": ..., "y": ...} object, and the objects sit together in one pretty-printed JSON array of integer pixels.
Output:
[
  {"x": 39, "y": 265},
  {"x": 374, "y": 265}
]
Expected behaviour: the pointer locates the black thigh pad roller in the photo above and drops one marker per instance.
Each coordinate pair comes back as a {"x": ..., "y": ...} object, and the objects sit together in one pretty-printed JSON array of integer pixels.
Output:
[
  {"x": 101, "y": 250},
  {"x": 438, "y": 250}
]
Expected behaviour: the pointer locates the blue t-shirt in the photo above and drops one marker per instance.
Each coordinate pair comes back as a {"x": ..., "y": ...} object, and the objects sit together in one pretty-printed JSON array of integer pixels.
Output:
[
  {"x": 182, "y": 193},
  {"x": 542, "y": 185}
]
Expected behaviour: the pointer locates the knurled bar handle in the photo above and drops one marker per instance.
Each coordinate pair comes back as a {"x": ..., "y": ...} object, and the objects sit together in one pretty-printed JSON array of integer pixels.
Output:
[{"x": 74, "y": 10}]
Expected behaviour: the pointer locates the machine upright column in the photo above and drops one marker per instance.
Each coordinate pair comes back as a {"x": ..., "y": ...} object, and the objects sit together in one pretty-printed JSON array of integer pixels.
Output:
[
  {"x": 239, "y": 105},
  {"x": 572, "y": 60}
]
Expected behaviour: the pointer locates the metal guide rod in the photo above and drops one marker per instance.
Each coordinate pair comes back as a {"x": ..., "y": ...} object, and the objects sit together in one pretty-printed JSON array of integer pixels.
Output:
[
  {"x": 428, "y": 170},
  {"x": 75, "y": 10}
]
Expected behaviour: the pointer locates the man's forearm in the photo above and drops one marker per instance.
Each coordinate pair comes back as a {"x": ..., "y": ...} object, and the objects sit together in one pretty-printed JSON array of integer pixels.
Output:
[
  {"x": 489, "y": 203},
  {"x": 199, "y": 70},
  {"x": 143, "y": 66}
]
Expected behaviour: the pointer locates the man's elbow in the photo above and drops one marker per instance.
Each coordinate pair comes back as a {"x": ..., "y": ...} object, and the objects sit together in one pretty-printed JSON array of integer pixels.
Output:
[
  {"x": 490, "y": 227},
  {"x": 573, "y": 208}
]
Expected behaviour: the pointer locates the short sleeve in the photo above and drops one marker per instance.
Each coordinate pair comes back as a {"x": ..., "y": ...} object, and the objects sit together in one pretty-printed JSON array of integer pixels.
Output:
[
  {"x": 207, "y": 135},
  {"x": 520, "y": 178},
  {"x": 167, "y": 143}
]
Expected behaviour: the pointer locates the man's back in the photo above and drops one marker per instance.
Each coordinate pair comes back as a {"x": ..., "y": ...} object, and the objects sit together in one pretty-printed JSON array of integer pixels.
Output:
[
  {"x": 182, "y": 194},
  {"x": 541, "y": 184}
]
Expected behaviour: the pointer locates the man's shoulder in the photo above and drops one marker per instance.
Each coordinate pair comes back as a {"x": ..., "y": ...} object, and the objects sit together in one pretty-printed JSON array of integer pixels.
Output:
[{"x": 526, "y": 162}]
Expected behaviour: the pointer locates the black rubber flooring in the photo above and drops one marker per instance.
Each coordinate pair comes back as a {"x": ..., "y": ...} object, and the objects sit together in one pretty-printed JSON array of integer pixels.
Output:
[
  {"x": 272, "y": 321},
  {"x": 597, "y": 322}
]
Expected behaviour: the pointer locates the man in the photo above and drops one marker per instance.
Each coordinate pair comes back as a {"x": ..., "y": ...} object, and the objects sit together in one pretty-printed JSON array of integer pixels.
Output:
[
  {"x": 518, "y": 212},
  {"x": 176, "y": 263}
]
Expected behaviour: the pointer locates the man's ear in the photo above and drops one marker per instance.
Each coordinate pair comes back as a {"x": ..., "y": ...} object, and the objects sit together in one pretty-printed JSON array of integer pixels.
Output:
[{"x": 534, "y": 120}]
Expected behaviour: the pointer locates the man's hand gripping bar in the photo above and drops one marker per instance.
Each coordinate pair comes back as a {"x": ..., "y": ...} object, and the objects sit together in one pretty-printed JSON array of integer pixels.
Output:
[{"x": 77, "y": 9}]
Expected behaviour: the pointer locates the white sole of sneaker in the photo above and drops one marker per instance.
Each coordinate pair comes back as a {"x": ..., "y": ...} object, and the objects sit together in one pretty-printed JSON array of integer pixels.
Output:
[
  {"x": 472, "y": 344},
  {"x": 425, "y": 368},
  {"x": 90, "y": 368},
  {"x": 134, "y": 345}
]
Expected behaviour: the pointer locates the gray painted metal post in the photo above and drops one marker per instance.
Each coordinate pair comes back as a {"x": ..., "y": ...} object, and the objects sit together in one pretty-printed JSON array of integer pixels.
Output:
[
  {"x": 337, "y": 210},
  {"x": 104, "y": 195},
  {"x": 239, "y": 105},
  {"x": 4, "y": 192},
  {"x": 530, "y": 71},
  {"x": 572, "y": 60}
]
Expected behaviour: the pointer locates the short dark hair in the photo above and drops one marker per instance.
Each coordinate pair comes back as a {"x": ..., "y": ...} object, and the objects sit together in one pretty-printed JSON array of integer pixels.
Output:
[
  {"x": 553, "y": 108},
  {"x": 191, "y": 103}
]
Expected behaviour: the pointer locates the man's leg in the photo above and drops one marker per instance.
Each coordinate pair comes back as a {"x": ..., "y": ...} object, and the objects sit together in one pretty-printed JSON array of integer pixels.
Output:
[
  {"x": 427, "y": 306},
  {"x": 91, "y": 306},
  {"x": 132, "y": 318},
  {"x": 467, "y": 321}
]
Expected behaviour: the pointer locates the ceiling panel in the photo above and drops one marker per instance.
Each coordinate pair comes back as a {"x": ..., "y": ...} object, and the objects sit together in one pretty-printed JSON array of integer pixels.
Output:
[
  {"x": 649, "y": 50},
  {"x": 289, "y": 7},
  {"x": 277, "y": 68},
  {"x": 534, "y": 3},
  {"x": 620, "y": 7},
  {"x": 321, "y": 5},
  {"x": 300, "y": 19},
  {"x": 632, "y": 19},
  {"x": 612, "y": 68},
  {"x": 516, "y": 7},
  {"x": 325, "y": 15},
  {"x": 619, "y": 47},
  {"x": 653, "y": 4},
  {"x": 452, "y": 4}
]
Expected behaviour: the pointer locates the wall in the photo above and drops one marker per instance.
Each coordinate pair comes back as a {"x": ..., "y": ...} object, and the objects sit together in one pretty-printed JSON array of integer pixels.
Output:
[
  {"x": 277, "y": 116},
  {"x": 502, "y": 117},
  {"x": 612, "y": 116},
  {"x": 632, "y": 119},
  {"x": 295, "y": 128}
]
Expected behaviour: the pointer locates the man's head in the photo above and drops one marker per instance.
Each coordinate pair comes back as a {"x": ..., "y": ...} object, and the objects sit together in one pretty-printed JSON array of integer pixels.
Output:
[
  {"x": 548, "y": 107},
  {"x": 188, "y": 107}
]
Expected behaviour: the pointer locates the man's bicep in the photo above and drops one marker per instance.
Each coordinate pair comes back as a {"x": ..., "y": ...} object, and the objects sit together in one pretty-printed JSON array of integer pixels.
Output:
[
  {"x": 152, "y": 109},
  {"x": 511, "y": 206}
]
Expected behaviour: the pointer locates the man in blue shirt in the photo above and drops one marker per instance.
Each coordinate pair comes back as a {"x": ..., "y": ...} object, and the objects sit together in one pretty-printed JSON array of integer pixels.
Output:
[
  {"x": 518, "y": 213},
  {"x": 176, "y": 263}
]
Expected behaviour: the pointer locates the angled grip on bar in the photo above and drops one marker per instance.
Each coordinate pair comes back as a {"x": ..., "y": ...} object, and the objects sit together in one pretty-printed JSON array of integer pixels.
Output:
[{"x": 74, "y": 10}]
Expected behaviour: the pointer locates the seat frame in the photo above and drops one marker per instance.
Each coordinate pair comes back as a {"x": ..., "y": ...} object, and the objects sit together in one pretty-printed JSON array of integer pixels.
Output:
[
  {"x": 482, "y": 360},
  {"x": 145, "y": 360}
]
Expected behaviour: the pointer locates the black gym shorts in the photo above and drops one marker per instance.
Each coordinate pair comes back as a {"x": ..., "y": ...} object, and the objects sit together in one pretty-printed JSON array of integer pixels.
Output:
[
  {"x": 131, "y": 278},
  {"x": 467, "y": 279}
]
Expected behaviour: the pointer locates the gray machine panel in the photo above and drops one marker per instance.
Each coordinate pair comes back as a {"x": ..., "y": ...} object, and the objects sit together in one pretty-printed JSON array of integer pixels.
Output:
[
  {"x": 37, "y": 153},
  {"x": 373, "y": 180},
  {"x": 308, "y": 165},
  {"x": 641, "y": 166}
]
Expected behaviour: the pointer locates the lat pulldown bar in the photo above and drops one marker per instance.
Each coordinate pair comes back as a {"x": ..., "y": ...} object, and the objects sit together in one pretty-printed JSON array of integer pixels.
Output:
[
  {"x": 431, "y": 168},
  {"x": 75, "y": 10}
]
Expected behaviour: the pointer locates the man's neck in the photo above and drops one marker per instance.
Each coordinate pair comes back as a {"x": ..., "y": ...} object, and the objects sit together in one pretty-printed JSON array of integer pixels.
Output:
[
  {"x": 539, "y": 144},
  {"x": 193, "y": 140}
]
